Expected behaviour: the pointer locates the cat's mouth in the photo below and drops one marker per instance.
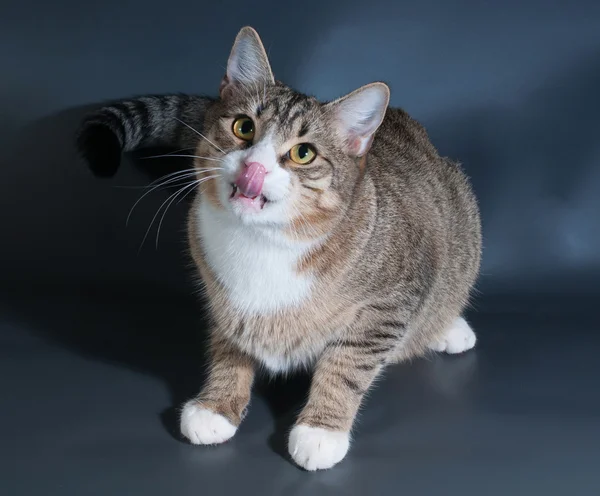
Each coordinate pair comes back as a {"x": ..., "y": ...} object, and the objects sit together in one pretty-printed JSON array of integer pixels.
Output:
[{"x": 256, "y": 203}]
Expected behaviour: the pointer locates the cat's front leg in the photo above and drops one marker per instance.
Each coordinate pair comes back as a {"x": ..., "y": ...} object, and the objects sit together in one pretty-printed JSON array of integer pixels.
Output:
[
  {"x": 215, "y": 414},
  {"x": 344, "y": 373}
]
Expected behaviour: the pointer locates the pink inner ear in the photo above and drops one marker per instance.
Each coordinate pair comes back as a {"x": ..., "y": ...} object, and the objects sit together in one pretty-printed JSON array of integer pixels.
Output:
[
  {"x": 354, "y": 143},
  {"x": 359, "y": 146}
]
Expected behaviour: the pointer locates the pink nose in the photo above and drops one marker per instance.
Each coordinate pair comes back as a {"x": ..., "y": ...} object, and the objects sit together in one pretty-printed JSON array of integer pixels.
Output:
[{"x": 251, "y": 179}]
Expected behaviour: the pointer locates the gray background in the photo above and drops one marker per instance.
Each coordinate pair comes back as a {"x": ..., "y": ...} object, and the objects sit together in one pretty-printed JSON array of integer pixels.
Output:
[{"x": 99, "y": 343}]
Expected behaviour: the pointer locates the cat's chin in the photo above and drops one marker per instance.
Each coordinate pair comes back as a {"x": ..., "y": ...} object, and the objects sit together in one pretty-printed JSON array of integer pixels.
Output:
[{"x": 258, "y": 212}]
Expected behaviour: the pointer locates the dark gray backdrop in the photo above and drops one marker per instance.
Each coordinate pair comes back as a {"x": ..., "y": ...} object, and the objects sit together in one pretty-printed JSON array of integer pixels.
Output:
[{"x": 98, "y": 342}]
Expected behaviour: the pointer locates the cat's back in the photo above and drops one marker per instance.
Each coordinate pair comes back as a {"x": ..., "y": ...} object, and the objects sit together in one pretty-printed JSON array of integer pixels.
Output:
[
  {"x": 405, "y": 164},
  {"x": 400, "y": 133},
  {"x": 402, "y": 147},
  {"x": 423, "y": 199}
]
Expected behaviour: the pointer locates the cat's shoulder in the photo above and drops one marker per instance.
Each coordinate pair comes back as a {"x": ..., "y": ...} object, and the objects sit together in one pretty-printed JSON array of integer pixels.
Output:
[
  {"x": 398, "y": 122},
  {"x": 400, "y": 136}
]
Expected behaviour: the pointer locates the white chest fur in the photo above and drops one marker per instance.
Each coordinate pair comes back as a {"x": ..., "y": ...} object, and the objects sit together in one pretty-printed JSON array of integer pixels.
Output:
[{"x": 258, "y": 272}]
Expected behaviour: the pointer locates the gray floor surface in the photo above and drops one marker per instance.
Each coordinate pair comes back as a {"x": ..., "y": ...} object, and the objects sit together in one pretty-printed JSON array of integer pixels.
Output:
[{"x": 91, "y": 382}]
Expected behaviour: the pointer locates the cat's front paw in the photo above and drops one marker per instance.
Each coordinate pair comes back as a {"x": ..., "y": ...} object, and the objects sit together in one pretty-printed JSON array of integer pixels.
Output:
[
  {"x": 201, "y": 426},
  {"x": 314, "y": 448}
]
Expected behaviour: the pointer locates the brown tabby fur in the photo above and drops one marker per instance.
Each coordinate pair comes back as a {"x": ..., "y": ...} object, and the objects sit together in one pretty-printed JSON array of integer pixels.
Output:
[
  {"x": 401, "y": 254},
  {"x": 396, "y": 230}
]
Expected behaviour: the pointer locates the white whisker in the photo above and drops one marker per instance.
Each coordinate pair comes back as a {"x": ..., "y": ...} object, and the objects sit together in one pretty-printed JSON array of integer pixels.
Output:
[
  {"x": 185, "y": 156},
  {"x": 191, "y": 169},
  {"x": 200, "y": 170},
  {"x": 200, "y": 134},
  {"x": 175, "y": 179},
  {"x": 173, "y": 198},
  {"x": 158, "y": 211},
  {"x": 182, "y": 150},
  {"x": 200, "y": 181},
  {"x": 190, "y": 187}
]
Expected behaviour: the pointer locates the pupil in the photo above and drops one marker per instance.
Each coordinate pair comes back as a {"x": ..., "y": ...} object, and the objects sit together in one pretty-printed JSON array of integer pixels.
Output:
[
  {"x": 303, "y": 151},
  {"x": 246, "y": 127}
]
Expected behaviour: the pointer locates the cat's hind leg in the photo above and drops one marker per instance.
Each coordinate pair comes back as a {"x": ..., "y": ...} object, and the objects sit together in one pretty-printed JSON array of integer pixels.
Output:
[{"x": 456, "y": 338}]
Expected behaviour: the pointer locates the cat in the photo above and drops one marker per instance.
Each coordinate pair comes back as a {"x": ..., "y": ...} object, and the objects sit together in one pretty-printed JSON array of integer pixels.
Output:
[{"x": 328, "y": 236}]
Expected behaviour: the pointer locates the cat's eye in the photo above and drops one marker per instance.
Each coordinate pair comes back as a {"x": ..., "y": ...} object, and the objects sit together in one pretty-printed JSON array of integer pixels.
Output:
[
  {"x": 302, "y": 154},
  {"x": 243, "y": 128}
]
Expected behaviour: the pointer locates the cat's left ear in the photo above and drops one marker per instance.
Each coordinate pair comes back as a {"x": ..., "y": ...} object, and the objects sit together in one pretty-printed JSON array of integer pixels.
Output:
[
  {"x": 358, "y": 115},
  {"x": 248, "y": 64}
]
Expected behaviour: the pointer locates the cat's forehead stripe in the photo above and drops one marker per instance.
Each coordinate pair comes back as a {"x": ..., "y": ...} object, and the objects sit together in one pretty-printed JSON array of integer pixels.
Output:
[
  {"x": 303, "y": 130},
  {"x": 287, "y": 111}
]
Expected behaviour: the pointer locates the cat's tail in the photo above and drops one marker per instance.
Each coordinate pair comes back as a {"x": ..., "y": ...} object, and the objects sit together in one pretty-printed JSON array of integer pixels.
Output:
[{"x": 127, "y": 125}]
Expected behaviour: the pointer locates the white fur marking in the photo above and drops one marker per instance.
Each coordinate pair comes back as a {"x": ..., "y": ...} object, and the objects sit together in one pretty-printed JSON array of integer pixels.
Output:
[
  {"x": 274, "y": 363},
  {"x": 201, "y": 426},
  {"x": 259, "y": 273},
  {"x": 277, "y": 185},
  {"x": 264, "y": 153},
  {"x": 314, "y": 448},
  {"x": 457, "y": 338}
]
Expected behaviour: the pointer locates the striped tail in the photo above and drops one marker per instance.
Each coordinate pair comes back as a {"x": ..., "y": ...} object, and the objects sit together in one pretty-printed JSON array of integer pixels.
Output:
[{"x": 141, "y": 122}]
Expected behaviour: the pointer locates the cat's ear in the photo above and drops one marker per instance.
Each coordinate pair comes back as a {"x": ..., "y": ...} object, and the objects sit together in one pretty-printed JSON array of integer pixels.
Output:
[
  {"x": 358, "y": 115},
  {"x": 248, "y": 64}
]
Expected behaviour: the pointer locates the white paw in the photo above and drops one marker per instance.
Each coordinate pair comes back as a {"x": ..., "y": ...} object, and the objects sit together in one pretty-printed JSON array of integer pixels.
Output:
[
  {"x": 314, "y": 448},
  {"x": 457, "y": 338},
  {"x": 201, "y": 426}
]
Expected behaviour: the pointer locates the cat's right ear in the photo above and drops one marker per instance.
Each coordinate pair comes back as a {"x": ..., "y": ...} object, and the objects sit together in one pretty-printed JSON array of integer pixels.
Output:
[
  {"x": 248, "y": 64},
  {"x": 357, "y": 116}
]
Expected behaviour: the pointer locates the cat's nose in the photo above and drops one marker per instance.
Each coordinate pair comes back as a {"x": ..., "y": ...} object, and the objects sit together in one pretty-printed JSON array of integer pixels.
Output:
[{"x": 251, "y": 179}]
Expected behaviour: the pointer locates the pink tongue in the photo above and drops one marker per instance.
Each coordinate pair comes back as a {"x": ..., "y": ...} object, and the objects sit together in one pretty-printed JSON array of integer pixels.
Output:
[{"x": 251, "y": 179}]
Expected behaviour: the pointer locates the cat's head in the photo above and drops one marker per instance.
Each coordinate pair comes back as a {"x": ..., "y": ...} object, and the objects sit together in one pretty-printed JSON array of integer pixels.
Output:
[{"x": 287, "y": 160}]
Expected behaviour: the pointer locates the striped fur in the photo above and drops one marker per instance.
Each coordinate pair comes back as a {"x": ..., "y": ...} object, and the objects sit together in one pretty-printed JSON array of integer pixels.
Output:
[
  {"x": 362, "y": 258},
  {"x": 153, "y": 120}
]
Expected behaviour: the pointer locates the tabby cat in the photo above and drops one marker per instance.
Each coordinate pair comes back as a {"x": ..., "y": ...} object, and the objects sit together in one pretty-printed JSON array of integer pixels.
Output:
[{"x": 329, "y": 236}]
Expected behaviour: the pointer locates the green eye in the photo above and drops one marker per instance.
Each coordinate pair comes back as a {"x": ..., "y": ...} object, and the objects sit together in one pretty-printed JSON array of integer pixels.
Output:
[
  {"x": 243, "y": 128},
  {"x": 302, "y": 154}
]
